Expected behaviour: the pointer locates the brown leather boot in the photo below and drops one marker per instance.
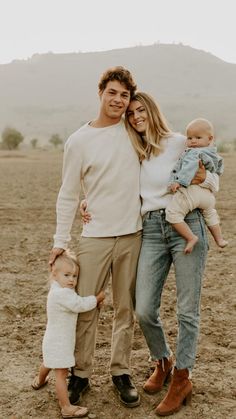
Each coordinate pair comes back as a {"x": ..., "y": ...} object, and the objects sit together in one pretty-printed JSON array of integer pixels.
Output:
[
  {"x": 179, "y": 393},
  {"x": 160, "y": 376}
]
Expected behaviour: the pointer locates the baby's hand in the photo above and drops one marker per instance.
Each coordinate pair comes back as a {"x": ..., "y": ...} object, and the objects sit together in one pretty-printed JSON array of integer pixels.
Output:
[
  {"x": 100, "y": 298},
  {"x": 174, "y": 187},
  {"x": 85, "y": 215}
]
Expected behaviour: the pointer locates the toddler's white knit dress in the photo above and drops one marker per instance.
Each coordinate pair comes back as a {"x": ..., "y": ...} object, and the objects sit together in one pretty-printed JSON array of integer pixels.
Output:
[{"x": 63, "y": 306}]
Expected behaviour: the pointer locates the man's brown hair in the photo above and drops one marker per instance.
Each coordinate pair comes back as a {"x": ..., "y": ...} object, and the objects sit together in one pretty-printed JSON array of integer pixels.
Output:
[{"x": 120, "y": 74}]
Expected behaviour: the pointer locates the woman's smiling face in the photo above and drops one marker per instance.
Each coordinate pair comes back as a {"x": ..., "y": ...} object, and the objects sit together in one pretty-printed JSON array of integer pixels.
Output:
[{"x": 137, "y": 116}]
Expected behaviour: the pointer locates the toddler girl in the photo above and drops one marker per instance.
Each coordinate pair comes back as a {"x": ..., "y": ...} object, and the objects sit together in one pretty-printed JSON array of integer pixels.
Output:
[{"x": 63, "y": 306}]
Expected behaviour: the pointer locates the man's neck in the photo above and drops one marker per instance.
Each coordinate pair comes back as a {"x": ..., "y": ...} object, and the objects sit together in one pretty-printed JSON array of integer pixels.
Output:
[{"x": 102, "y": 122}]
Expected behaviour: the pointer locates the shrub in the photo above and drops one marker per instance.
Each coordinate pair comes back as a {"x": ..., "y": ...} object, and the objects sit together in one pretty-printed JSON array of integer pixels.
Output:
[
  {"x": 55, "y": 140},
  {"x": 234, "y": 143},
  {"x": 11, "y": 138},
  {"x": 222, "y": 147},
  {"x": 34, "y": 142}
]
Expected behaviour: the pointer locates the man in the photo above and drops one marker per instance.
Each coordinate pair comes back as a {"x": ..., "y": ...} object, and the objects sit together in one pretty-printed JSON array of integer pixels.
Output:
[{"x": 101, "y": 157}]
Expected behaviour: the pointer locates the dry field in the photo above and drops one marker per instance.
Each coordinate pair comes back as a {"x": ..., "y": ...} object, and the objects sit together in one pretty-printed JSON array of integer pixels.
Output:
[{"x": 29, "y": 186}]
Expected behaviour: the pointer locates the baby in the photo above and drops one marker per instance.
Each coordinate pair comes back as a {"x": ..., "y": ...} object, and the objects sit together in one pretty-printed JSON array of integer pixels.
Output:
[
  {"x": 63, "y": 306},
  {"x": 187, "y": 197}
]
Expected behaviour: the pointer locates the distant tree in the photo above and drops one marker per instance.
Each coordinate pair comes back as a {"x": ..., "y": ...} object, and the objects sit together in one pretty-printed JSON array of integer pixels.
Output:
[
  {"x": 55, "y": 140},
  {"x": 222, "y": 147},
  {"x": 11, "y": 138},
  {"x": 34, "y": 142},
  {"x": 234, "y": 143}
]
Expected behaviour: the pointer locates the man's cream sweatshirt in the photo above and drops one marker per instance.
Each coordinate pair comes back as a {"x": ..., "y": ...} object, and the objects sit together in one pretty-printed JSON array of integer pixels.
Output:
[{"x": 102, "y": 162}]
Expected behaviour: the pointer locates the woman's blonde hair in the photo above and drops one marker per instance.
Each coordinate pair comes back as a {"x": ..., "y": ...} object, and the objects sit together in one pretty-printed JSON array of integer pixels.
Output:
[{"x": 157, "y": 128}]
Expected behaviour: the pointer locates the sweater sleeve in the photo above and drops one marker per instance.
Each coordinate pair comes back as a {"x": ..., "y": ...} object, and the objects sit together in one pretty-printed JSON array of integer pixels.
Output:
[
  {"x": 68, "y": 197},
  {"x": 211, "y": 182},
  {"x": 74, "y": 302}
]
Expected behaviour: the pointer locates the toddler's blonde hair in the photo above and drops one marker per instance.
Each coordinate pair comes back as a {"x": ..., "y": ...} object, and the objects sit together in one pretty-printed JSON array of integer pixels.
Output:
[{"x": 66, "y": 257}]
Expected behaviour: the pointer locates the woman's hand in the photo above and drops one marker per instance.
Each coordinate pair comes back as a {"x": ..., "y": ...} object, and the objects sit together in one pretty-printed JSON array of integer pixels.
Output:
[
  {"x": 200, "y": 176},
  {"x": 85, "y": 215}
]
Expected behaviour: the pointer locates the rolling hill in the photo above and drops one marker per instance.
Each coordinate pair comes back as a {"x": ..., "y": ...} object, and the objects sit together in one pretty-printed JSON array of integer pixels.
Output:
[{"x": 56, "y": 93}]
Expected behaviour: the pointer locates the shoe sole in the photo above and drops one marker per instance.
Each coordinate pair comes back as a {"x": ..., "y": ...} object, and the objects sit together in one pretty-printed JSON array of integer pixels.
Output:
[
  {"x": 166, "y": 381},
  {"x": 132, "y": 404}
]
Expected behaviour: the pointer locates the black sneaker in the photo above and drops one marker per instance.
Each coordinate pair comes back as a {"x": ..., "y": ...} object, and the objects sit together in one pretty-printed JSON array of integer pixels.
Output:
[
  {"x": 126, "y": 389},
  {"x": 76, "y": 387}
]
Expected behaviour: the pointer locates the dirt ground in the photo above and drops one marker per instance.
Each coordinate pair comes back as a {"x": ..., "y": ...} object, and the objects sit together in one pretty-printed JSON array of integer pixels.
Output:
[{"x": 29, "y": 186}]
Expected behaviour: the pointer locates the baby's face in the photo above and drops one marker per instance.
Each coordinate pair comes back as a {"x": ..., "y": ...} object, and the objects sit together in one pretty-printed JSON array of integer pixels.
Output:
[
  {"x": 67, "y": 275},
  {"x": 198, "y": 137}
]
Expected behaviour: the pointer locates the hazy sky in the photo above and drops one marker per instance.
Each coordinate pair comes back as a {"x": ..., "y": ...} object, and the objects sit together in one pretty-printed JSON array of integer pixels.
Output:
[{"x": 38, "y": 26}]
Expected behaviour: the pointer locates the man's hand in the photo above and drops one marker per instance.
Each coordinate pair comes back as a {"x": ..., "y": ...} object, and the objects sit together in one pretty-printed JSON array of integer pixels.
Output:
[
  {"x": 55, "y": 252},
  {"x": 200, "y": 176},
  {"x": 85, "y": 215},
  {"x": 174, "y": 187}
]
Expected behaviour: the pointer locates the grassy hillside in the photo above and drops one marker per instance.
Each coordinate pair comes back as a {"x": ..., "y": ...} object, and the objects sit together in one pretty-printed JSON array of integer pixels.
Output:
[{"x": 57, "y": 92}]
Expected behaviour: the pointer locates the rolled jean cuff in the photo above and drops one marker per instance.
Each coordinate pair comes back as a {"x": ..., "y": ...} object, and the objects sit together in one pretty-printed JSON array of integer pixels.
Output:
[{"x": 167, "y": 355}]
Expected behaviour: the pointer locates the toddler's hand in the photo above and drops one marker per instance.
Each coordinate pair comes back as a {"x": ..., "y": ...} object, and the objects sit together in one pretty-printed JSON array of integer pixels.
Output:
[{"x": 100, "y": 298}]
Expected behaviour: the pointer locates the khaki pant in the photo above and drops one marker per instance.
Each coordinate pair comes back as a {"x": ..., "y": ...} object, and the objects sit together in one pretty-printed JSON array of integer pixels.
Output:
[
  {"x": 187, "y": 199},
  {"x": 98, "y": 258}
]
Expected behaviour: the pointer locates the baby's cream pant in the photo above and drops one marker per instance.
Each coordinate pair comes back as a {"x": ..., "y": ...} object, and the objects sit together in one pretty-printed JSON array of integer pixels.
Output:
[{"x": 187, "y": 199}]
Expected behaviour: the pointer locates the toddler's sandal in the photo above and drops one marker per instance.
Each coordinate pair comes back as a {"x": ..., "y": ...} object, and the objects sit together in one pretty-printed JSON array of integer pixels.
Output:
[
  {"x": 36, "y": 385},
  {"x": 78, "y": 412}
]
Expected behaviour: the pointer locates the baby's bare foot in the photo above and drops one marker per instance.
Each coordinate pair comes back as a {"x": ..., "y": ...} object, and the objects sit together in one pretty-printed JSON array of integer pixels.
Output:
[
  {"x": 222, "y": 243},
  {"x": 190, "y": 245}
]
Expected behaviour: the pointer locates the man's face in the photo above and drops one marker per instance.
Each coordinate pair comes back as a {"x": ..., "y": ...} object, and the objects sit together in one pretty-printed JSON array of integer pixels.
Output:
[{"x": 114, "y": 100}]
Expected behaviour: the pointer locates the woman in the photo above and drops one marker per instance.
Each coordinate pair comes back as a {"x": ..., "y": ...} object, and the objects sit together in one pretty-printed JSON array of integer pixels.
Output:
[{"x": 159, "y": 149}]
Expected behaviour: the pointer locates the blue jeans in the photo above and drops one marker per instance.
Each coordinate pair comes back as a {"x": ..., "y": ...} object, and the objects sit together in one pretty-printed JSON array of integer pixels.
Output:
[{"x": 161, "y": 246}]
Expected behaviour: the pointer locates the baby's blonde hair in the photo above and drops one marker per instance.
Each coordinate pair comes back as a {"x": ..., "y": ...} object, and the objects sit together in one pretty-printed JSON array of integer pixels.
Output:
[{"x": 203, "y": 124}]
